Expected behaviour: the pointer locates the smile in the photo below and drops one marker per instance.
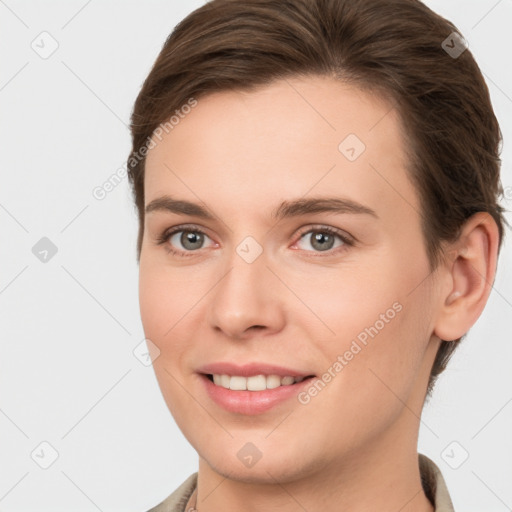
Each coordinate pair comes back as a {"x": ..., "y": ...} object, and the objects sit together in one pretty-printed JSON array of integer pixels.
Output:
[{"x": 254, "y": 383}]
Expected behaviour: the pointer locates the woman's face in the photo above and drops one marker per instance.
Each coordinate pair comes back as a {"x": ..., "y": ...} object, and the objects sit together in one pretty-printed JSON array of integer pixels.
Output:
[{"x": 296, "y": 251}]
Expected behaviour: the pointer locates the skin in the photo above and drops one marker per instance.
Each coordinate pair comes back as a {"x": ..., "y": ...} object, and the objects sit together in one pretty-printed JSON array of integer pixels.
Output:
[{"x": 240, "y": 155}]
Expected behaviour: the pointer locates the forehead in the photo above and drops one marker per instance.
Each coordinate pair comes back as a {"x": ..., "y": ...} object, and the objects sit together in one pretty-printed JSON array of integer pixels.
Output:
[{"x": 282, "y": 141}]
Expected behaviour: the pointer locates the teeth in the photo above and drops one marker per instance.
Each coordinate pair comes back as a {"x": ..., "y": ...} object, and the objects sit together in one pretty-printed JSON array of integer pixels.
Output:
[
  {"x": 273, "y": 381},
  {"x": 254, "y": 383},
  {"x": 238, "y": 383}
]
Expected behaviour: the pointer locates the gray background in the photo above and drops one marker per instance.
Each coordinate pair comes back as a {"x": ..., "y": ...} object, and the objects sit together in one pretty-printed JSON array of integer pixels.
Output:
[{"x": 69, "y": 326}]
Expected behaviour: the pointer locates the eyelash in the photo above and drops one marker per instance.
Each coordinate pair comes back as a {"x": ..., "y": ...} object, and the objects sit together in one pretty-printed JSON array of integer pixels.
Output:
[
  {"x": 166, "y": 235},
  {"x": 347, "y": 242}
]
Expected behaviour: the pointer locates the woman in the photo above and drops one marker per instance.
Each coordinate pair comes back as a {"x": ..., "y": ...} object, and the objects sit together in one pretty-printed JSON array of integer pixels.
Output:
[{"x": 317, "y": 185}]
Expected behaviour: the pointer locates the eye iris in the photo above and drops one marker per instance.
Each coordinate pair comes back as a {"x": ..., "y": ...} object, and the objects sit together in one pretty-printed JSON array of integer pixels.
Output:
[
  {"x": 191, "y": 240},
  {"x": 322, "y": 241}
]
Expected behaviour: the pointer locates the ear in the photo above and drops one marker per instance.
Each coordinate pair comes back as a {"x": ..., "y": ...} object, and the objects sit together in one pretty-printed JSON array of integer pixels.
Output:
[{"x": 470, "y": 272}]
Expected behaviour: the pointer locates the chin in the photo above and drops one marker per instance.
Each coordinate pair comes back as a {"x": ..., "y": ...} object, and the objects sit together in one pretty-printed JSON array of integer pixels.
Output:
[
  {"x": 274, "y": 465},
  {"x": 262, "y": 473}
]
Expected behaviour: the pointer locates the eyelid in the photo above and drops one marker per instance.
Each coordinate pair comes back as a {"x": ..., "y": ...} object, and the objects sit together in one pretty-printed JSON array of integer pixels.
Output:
[
  {"x": 163, "y": 239},
  {"x": 182, "y": 227},
  {"x": 343, "y": 235},
  {"x": 348, "y": 240}
]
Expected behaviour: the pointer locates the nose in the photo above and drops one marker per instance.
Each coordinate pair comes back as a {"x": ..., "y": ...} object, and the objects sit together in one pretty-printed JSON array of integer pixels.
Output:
[{"x": 247, "y": 301}]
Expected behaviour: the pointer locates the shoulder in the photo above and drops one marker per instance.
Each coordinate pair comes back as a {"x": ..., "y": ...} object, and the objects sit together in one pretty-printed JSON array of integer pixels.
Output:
[
  {"x": 434, "y": 485},
  {"x": 177, "y": 501}
]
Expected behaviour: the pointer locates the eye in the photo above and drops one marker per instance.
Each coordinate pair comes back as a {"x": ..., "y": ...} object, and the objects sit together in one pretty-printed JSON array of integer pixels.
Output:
[
  {"x": 323, "y": 239},
  {"x": 181, "y": 241},
  {"x": 189, "y": 240},
  {"x": 185, "y": 241}
]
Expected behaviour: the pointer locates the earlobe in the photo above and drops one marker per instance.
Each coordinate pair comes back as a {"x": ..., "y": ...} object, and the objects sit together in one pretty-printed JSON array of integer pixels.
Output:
[{"x": 471, "y": 271}]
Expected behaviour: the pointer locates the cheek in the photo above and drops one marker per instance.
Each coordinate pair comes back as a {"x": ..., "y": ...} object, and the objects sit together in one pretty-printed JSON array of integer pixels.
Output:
[
  {"x": 345, "y": 302},
  {"x": 152, "y": 303},
  {"x": 166, "y": 300},
  {"x": 393, "y": 358},
  {"x": 374, "y": 377},
  {"x": 160, "y": 311},
  {"x": 379, "y": 320},
  {"x": 161, "y": 308}
]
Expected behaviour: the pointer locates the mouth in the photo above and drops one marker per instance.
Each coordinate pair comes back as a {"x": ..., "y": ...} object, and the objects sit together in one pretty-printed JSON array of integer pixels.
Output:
[
  {"x": 252, "y": 388},
  {"x": 255, "y": 382}
]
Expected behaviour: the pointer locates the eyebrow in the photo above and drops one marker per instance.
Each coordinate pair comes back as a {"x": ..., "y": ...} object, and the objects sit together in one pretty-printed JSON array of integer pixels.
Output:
[
  {"x": 285, "y": 210},
  {"x": 168, "y": 204},
  {"x": 320, "y": 205}
]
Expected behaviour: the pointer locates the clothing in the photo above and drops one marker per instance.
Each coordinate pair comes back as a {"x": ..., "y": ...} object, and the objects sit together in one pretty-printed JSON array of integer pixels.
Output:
[{"x": 431, "y": 479}]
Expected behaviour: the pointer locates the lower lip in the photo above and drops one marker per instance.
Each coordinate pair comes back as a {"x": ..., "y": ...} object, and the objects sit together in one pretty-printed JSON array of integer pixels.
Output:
[{"x": 251, "y": 402}]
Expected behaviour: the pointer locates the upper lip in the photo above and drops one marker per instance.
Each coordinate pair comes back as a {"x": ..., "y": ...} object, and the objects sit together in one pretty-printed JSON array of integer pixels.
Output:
[{"x": 250, "y": 370}]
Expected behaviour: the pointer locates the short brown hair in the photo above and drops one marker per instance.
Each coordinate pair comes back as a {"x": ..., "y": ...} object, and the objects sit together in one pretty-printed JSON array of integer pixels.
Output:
[{"x": 393, "y": 47}]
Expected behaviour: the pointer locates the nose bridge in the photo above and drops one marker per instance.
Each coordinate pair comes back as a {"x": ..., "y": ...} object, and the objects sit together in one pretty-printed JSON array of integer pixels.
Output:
[{"x": 243, "y": 297}]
